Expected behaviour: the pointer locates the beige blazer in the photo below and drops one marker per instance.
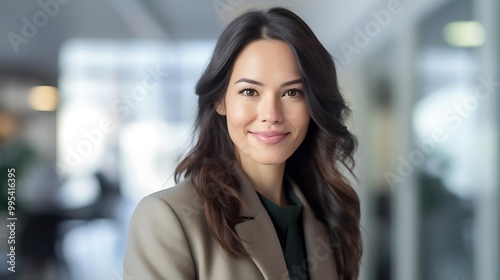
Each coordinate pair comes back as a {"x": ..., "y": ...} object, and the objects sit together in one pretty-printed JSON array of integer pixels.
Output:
[{"x": 169, "y": 239}]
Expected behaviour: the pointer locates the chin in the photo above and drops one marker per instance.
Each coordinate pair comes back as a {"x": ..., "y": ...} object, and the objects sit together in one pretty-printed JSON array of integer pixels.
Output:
[
  {"x": 266, "y": 156},
  {"x": 271, "y": 160}
]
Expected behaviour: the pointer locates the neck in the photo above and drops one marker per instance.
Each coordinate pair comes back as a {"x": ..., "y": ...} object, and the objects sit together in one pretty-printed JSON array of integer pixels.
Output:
[{"x": 267, "y": 180}]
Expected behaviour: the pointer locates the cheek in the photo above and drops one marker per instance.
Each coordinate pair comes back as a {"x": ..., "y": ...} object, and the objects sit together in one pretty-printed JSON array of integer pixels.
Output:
[
  {"x": 303, "y": 124},
  {"x": 238, "y": 117},
  {"x": 299, "y": 116}
]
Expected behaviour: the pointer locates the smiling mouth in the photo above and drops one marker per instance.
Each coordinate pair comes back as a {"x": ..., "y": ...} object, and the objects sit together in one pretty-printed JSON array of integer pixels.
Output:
[{"x": 270, "y": 138}]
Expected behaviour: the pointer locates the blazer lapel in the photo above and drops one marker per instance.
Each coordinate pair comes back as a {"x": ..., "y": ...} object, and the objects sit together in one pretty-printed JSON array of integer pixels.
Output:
[
  {"x": 262, "y": 242},
  {"x": 319, "y": 253}
]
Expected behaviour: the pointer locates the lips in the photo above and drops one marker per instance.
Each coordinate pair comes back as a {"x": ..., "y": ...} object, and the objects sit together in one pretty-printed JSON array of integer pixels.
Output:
[{"x": 270, "y": 137}]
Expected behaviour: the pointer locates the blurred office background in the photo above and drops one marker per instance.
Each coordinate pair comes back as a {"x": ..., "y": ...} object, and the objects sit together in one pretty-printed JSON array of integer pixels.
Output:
[{"x": 97, "y": 101}]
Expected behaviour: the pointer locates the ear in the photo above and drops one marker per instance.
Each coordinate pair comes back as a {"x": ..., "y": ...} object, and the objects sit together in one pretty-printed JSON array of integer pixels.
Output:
[{"x": 220, "y": 108}]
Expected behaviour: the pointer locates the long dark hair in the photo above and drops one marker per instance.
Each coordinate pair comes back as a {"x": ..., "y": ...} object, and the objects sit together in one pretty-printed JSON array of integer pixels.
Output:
[{"x": 314, "y": 166}]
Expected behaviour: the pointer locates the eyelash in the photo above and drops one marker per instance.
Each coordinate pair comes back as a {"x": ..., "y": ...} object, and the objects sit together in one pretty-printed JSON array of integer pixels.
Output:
[{"x": 286, "y": 91}]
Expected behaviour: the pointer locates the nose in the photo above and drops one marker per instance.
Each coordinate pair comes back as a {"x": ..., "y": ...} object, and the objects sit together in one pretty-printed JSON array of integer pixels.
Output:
[{"x": 271, "y": 109}]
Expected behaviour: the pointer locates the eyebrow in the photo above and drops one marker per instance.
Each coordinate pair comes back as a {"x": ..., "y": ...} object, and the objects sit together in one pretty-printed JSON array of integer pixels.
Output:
[{"x": 250, "y": 81}]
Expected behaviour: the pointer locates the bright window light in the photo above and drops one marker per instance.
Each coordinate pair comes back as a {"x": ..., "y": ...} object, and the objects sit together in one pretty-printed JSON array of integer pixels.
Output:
[{"x": 464, "y": 34}]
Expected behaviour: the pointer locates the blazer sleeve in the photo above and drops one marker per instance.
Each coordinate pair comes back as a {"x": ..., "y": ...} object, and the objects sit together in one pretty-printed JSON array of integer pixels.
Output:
[{"x": 157, "y": 246}]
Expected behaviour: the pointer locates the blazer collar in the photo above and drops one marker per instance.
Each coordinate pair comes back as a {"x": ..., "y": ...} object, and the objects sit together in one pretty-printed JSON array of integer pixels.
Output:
[{"x": 262, "y": 242}]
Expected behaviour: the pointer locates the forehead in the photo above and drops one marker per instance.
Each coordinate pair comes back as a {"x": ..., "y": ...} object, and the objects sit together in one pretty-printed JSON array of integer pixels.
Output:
[{"x": 264, "y": 59}]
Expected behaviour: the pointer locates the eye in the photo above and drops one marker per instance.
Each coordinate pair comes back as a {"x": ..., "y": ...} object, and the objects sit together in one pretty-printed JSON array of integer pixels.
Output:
[
  {"x": 294, "y": 92},
  {"x": 248, "y": 92}
]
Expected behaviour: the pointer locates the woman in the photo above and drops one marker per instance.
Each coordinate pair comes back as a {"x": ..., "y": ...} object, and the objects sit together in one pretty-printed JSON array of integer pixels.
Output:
[{"x": 262, "y": 195}]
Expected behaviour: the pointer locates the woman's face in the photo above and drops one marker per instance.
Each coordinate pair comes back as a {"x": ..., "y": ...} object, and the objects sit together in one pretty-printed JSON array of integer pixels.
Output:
[{"x": 264, "y": 105}]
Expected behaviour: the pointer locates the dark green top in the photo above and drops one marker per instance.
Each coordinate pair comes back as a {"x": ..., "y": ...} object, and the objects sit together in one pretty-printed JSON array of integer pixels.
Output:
[{"x": 288, "y": 225}]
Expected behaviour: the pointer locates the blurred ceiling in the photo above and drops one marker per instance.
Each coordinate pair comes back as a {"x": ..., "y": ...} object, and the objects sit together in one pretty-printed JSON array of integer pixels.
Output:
[{"x": 60, "y": 20}]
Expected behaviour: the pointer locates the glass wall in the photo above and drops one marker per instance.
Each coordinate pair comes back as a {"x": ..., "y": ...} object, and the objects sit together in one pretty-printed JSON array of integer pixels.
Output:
[
  {"x": 427, "y": 117},
  {"x": 125, "y": 113},
  {"x": 444, "y": 125}
]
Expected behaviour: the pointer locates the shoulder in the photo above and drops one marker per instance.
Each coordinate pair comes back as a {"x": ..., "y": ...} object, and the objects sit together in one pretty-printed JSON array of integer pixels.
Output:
[
  {"x": 181, "y": 200},
  {"x": 160, "y": 235},
  {"x": 182, "y": 192}
]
